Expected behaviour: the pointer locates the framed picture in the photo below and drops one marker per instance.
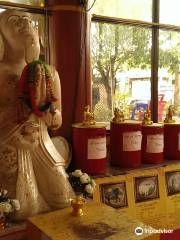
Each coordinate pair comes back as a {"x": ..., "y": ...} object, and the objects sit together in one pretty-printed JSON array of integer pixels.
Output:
[
  {"x": 114, "y": 194},
  {"x": 172, "y": 182},
  {"x": 146, "y": 188}
]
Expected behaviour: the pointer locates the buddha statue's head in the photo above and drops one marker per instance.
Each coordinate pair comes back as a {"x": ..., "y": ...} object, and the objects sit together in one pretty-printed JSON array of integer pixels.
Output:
[{"x": 18, "y": 35}]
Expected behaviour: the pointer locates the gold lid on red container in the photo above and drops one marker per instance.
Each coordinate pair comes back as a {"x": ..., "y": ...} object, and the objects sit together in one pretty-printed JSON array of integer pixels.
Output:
[
  {"x": 161, "y": 125},
  {"x": 128, "y": 122},
  {"x": 173, "y": 124},
  {"x": 81, "y": 125}
]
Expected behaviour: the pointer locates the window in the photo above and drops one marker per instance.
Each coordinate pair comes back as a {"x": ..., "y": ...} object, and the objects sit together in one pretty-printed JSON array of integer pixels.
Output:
[
  {"x": 38, "y": 14},
  {"x": 37, "y": 3},
  {"x": 135, "y": 58}
]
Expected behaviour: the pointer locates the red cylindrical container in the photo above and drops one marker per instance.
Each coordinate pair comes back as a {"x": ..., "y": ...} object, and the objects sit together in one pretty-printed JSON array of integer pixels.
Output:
[
  {"x": 89, "y": 148},
  {"x": 153, "y": 143},
  {"x": 125, "y": 144},
  {"x": 172, "y": 141}
]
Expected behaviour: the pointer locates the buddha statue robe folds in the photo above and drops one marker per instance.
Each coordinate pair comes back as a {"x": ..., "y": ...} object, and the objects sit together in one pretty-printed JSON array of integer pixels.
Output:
[{"x": 31, "y": 169}]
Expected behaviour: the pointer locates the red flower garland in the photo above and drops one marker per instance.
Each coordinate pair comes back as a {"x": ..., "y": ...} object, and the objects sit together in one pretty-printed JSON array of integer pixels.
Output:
[{"x": 35, "y": 87}]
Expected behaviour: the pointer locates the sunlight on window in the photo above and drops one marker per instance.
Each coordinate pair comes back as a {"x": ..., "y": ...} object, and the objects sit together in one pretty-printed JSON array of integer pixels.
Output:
[
  {"x": 170, "y": 12},
  {"x": 130, "y": 9},
  {"x": 37, "y": 3},
  {"x": 169, "y": 72}
]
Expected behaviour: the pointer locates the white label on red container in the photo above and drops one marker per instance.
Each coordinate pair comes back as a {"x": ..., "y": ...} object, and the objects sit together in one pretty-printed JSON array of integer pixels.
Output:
[
  {"x": 132, "y": 141},
  {"x": 155, "y": 143},
  {"x": 97, "y": 148}
]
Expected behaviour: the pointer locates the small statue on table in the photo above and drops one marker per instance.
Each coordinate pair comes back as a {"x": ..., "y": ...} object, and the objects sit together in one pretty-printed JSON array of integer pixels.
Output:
[
  {"x": 118, "y": 115},
  {"x": 147, "y": 118},
  {"x": 169, "y": 115},
  {"x": 88, "y": 116}
]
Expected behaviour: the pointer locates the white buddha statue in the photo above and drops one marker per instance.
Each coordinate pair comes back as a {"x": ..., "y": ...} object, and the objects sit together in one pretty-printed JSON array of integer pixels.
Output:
[{"x": 31, "y": 168}]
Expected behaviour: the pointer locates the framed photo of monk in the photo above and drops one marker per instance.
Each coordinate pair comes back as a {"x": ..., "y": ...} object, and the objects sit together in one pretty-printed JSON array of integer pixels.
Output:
[
  {"x": 114, "y": 194},
  {"x": 172, "y": 182},
  {"x": 146, "y": 188}
]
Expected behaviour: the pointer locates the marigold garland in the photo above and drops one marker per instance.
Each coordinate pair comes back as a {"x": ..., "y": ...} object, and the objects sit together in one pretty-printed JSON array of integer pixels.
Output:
[{"x": 35, "y": 87}]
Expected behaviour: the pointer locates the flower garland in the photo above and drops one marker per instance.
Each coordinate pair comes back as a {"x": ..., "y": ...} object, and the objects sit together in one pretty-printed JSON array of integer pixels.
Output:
[
  {"x": 82, "y": 183},
  {"x": 35, "y": 87}
]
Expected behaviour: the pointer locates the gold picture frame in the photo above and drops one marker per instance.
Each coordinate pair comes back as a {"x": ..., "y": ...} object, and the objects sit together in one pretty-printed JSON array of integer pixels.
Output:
[
  {"x": 146, "y": 188},
  {"x": 114, "y": 194},
  {"x": 172, "y": 182}
]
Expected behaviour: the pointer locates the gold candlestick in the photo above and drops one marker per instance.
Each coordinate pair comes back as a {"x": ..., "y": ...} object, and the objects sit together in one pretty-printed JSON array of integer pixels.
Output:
[{"x": 77, "y": 205}]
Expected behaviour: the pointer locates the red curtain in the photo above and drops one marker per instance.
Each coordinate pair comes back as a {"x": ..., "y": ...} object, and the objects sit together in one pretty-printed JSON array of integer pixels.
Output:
[{"x": 69, "y": 51}]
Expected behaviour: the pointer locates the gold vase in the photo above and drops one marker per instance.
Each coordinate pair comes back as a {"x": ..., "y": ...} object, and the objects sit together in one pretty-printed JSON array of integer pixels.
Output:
[{"x": 77, "y": 205}]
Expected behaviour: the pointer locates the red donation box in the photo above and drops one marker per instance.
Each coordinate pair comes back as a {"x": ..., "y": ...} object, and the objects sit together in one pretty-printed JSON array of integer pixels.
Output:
[
  {"x": 89, "y": 148},
  {"x": 153, "y": 143},
  {"x": 172, "y": 141},
  {"x": 125, "y": 144}
]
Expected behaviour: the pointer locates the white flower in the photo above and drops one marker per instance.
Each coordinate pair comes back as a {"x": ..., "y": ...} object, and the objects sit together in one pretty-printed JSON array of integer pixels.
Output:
[
  {"x": 5, "y": 207},
  {"x": 15, "y": 204},
  {"x": 89, "y": 188},
  {"x": 85, "y": 178},
  {"x": 77, "y": 173}
]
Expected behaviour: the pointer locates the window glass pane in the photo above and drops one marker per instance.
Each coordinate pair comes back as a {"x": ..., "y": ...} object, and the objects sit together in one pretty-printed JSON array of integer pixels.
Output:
[
  {"x": 130, "y": 9},
  {"x": 39, "y": 3},
  {"x": 121, "y": 57},
  {"x": 169, "y": 12},
  {"x": 169, "y": 73}
]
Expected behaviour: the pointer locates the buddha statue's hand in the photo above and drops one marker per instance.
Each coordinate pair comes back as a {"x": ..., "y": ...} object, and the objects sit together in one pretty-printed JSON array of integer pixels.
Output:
[{"x": 53, "y": 119}]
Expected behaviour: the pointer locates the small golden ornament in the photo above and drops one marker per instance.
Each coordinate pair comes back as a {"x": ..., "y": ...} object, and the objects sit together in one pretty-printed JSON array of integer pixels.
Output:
[
  {"x": 2, "y": 223},
  {"x": 169, "y": 115},
  {"x": 77, "y": 205},
  {"x": 147, "y": 118},
  {"x": 88, "y": 116},
  {"x": 118, "y": 115}
]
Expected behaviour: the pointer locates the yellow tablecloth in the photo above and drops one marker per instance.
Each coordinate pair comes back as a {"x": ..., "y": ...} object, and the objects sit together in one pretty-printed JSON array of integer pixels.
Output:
[{"x": 98, "y": 222}]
